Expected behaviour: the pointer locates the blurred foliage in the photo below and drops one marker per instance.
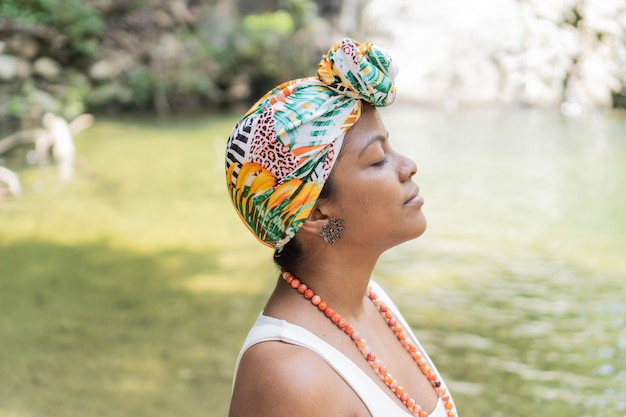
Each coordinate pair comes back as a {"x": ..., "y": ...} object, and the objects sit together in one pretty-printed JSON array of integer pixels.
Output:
[
  {"x": 219, "y": 55},
  {"x": 277, "y": 23},
  {"x": 270, "y": 52},
  {"x": 81, "y": 23}
]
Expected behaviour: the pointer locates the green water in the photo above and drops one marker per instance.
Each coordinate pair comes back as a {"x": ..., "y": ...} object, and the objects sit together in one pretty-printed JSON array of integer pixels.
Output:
[
  {"x": 518, "y": 287},
  {"x": 130, "y": 291}
]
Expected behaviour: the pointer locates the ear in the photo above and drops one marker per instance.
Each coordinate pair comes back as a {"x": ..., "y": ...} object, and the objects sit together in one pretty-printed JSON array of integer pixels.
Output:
[{"x": 317, "y": 218}]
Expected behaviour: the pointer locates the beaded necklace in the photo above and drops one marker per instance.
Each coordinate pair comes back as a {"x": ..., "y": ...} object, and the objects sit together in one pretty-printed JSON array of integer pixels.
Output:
[{"x": 370, "y": 356}]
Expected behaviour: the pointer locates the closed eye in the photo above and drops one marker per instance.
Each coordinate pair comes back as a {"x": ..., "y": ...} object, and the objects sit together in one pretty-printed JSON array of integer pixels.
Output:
[{"x": 380, "y": 163}]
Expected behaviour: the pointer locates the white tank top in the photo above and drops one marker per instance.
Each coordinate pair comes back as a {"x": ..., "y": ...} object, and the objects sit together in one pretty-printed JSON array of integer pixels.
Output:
[{"x": 375, "y": 399}]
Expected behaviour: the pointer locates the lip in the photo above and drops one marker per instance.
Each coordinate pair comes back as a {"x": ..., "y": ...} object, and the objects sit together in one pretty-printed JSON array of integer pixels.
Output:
[{"x": 415, "y": 199}]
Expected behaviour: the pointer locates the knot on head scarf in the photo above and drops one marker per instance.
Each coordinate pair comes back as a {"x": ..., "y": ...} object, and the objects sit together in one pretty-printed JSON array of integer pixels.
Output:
[{"x": 281, "y": 152}]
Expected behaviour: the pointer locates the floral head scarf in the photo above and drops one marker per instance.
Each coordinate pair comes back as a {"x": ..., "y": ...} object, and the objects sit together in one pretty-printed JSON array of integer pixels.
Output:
[{"x": 281, "y": 152}]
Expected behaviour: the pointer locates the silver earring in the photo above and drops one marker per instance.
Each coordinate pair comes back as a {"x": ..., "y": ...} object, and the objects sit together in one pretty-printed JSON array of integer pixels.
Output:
[{"x": 332, "y": 230}]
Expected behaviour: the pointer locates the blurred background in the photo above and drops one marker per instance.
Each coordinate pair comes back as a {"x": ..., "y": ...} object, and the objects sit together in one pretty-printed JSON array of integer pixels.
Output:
[{"x": 127, "y": 282}]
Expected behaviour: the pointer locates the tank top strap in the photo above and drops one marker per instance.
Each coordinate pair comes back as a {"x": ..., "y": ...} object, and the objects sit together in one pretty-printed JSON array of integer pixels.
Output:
[
  {"x": 271, "y": 329},
  {"x": 377, "y": 402}
]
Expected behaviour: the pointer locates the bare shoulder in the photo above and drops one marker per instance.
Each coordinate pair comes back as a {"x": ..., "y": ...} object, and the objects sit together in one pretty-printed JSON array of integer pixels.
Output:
[{"x": 279, "y": 379}]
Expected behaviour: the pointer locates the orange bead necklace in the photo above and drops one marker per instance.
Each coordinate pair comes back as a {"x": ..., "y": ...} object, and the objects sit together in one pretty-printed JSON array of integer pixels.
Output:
[{"x": 370, "y": 356}]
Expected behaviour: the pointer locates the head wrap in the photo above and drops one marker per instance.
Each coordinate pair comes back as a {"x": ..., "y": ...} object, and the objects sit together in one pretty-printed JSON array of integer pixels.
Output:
[{"x": 281, "y": 152}]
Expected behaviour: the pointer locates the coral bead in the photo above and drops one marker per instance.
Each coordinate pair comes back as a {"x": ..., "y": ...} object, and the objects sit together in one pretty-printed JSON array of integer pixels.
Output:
[{"x": 369, "y": 356}]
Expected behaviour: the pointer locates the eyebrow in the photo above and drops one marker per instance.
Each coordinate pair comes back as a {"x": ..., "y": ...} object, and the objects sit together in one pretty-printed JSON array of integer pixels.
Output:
[{"x": 372, "y": 140}]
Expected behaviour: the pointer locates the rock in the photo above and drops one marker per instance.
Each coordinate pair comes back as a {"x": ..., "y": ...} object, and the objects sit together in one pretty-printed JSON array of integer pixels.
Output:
[
  {"x": 23, "y": 46},
  {"x": 13, "y": 67},
  {"x": 8, "y": 67},
  {"x": 180, "y": 11},
  {"x": 24, "y": 69},
  {"x": 112, "y": 67},
  {"x": 104, "y": 70},
  {"x": 162, "y": 19},
  {"x": 168, "y": 47},
  {"x": 47, "y": 68}
]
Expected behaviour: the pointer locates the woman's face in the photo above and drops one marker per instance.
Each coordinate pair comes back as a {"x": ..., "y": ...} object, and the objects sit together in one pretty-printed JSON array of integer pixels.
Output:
[{"x": 374, "y": 191}]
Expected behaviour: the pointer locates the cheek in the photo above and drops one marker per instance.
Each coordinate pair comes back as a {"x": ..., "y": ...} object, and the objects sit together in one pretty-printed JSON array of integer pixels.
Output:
[
  {"x": 366, "y": 195},
  {"x": 366, "y": 203}
]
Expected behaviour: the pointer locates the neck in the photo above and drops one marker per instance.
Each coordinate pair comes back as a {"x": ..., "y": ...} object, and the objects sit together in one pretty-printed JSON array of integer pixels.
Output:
[{"x": 341, "y": 279}]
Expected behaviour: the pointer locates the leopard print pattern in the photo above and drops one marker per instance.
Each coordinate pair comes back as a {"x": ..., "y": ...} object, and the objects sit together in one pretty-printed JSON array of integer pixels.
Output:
[
  {"x": 268, "y": 151},
  {"x": 330, "y": 157}
]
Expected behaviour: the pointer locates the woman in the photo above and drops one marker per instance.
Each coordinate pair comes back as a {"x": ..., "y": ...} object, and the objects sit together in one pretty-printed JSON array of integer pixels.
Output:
[{"x": 312, "y": 173}]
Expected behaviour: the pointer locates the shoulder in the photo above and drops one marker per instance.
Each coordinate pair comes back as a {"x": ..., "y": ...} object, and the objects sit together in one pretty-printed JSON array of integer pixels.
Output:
[{"x": 279, "y": 379}]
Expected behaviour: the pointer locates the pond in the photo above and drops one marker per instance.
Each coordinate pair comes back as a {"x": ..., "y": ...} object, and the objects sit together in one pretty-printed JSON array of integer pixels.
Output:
[
  {"x": 518, "y": 286},
  {"x": 147, "y": 282}
]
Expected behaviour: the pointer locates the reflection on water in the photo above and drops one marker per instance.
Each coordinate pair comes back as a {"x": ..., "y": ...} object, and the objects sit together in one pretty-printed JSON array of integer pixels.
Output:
[{"x": 517, "y": 287}]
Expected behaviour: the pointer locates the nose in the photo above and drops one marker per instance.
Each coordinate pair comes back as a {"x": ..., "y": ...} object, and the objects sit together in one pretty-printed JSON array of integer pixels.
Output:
[{"x": 408, "y": 168}]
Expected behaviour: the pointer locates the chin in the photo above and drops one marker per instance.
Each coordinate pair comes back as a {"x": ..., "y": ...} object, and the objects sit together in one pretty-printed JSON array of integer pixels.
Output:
[
  {"x": 419, "y": 233},
  {"x": 420, "y": 227},
  {"x": 415, "y": 231}
]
